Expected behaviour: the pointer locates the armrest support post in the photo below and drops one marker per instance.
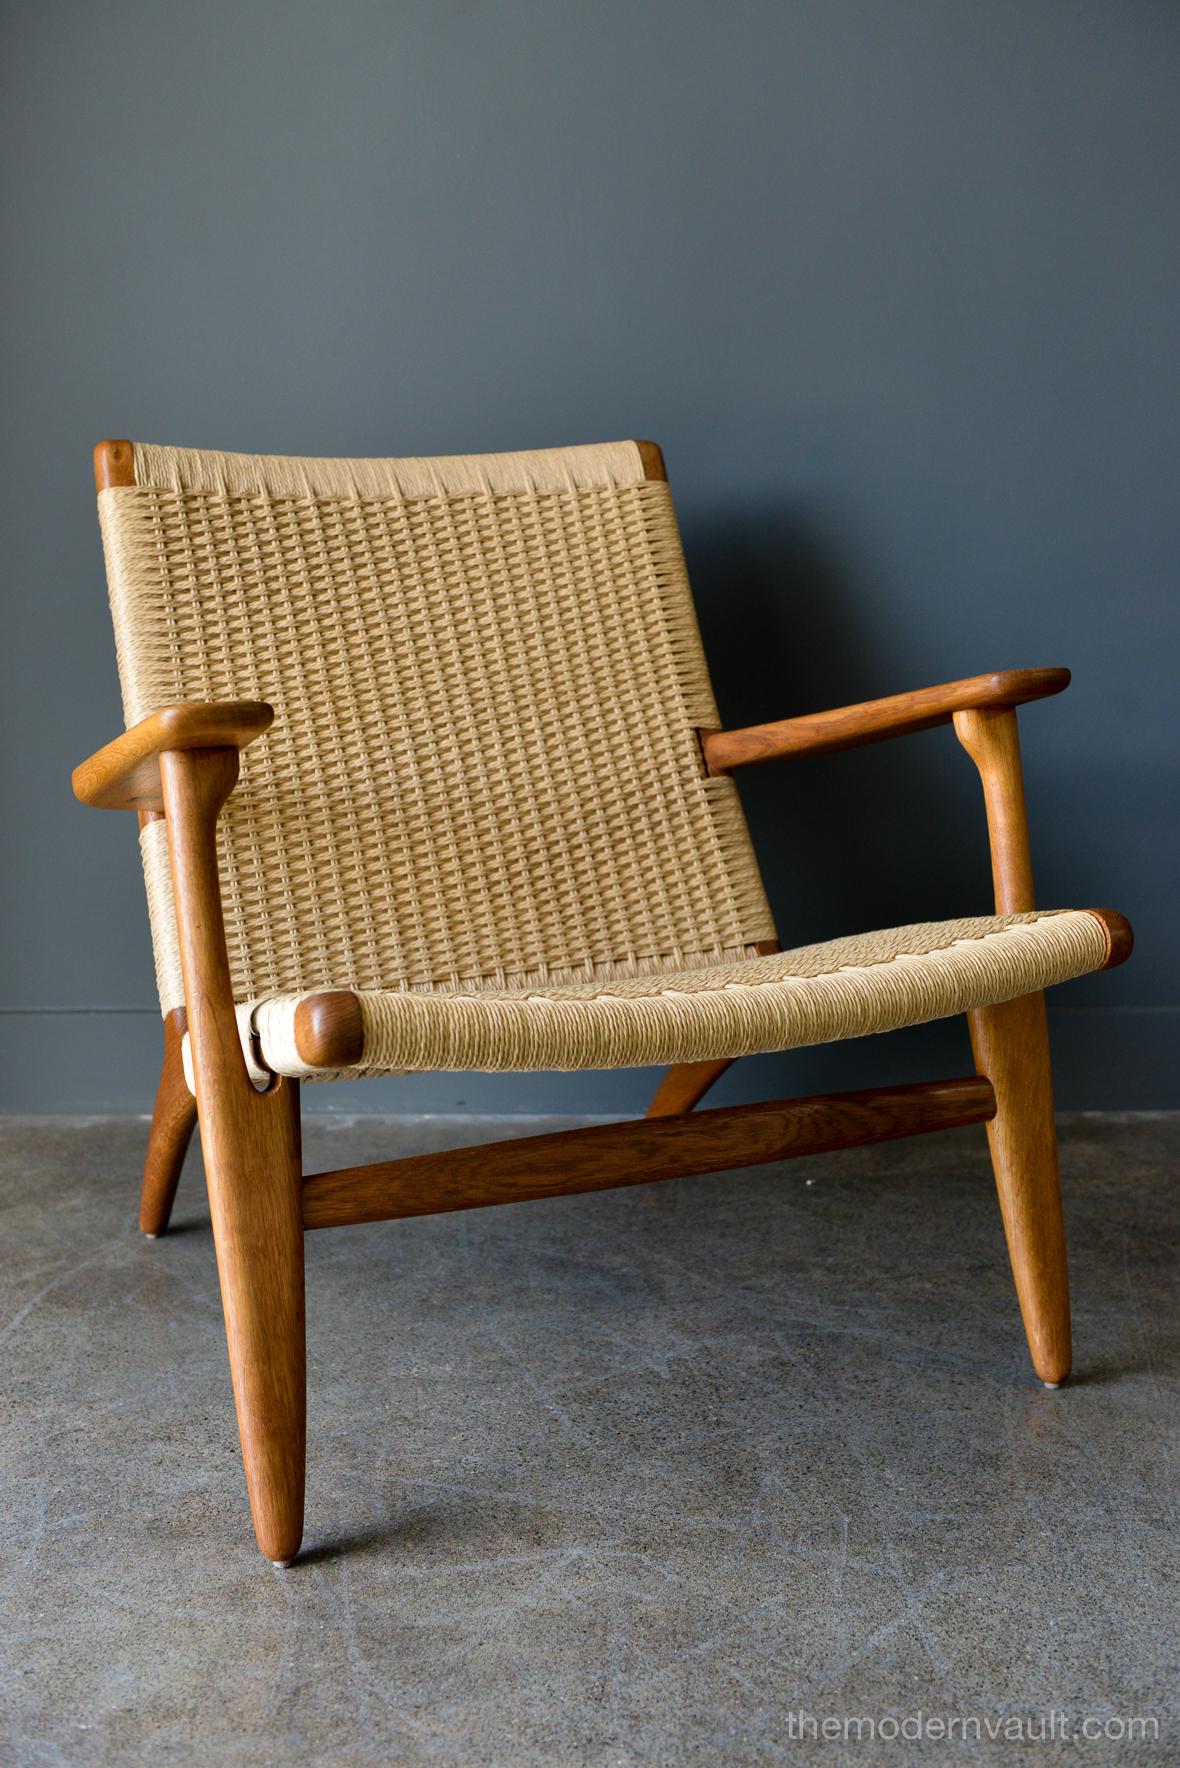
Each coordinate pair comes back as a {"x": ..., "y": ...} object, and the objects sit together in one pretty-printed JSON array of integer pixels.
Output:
[
  {"x": 990, "y": 737},
  {"x": 253, "y": 1165},
  {"x": 195, "y": 784},
  {"x": 1010, "y": 1043}
]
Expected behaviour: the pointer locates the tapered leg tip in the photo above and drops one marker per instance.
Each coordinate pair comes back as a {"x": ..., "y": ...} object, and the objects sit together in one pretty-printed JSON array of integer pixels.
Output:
[
  {"x": 282, "y": 1564},
  {"x": 148, "y": 1236},
  {"x": 1052, "y": 1386}
]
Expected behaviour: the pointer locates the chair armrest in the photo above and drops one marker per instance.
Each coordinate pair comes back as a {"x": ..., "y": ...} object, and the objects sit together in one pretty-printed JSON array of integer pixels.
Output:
[
  {"x": 817, "y": 733},
  {"x": 126, "y": 774}
]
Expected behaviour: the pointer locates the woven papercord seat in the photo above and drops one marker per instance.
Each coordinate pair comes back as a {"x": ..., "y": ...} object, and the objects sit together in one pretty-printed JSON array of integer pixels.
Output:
[
  {"x": 843, "y": 988},
  {"x": 430, "y": 775}
]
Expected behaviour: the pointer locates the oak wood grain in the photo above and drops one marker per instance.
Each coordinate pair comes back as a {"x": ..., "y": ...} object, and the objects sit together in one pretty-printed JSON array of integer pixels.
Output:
[
  {"x": 1010, "y": 1043},
  {"x": 330, "y": 1029},
  {"x": 1120, "y": 939},
  {"x": 652, "y": 456},
  {"x": 991, "y": 737},
  {"x": 125, "y": 774},
  {"x": 638, "y": 1153},
  {"x": 251, "y": 1145},
  {"x": 685, "y": 1085},
  {"x": 114, "y": 464},
  {"x": 870, "y": 721},
  {"x": 173, "y": 1122}
]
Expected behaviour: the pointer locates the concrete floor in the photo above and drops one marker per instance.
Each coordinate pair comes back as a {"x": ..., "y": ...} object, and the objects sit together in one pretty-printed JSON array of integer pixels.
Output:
[{"x": 629, "y": 1478}]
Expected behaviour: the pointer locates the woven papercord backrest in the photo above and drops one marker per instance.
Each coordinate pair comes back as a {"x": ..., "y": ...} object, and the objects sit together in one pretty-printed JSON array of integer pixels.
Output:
[{"x": 487, "y": 681}]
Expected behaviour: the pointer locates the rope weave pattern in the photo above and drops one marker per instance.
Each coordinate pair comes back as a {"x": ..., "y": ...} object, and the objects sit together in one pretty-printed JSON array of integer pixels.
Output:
[
  {"x": 487, "y": 679},
  {"x": 844, "y": 988}
]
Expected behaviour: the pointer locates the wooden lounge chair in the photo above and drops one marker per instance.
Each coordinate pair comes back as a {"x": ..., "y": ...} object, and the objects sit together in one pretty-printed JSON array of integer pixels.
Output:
[{"x": 429, "y": 776}]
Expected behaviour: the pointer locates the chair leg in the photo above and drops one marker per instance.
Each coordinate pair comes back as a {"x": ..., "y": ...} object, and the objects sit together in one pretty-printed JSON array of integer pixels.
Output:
[
  {"x": 173, "y": 1122},
  {"x": 253, "y": 1166},
  {"x": 685, "y": 1085},
  {"x": 1011, "y": 1046}
]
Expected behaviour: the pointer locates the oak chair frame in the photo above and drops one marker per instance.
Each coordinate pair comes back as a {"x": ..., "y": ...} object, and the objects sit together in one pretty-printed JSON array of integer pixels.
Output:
[{"x": 182, "y": 764}]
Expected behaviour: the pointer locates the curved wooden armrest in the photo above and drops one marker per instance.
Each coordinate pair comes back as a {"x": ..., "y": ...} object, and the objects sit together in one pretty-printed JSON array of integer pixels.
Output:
[
  {"x": 816, "y": 733},
  {"x": 126, "y": 774}
]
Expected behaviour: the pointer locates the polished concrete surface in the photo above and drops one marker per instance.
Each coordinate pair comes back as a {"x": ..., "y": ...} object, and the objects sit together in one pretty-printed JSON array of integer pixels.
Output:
[{"x": 629, "y": 1478}]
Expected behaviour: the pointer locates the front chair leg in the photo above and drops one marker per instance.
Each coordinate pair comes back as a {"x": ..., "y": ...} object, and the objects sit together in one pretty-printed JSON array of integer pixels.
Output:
[
  {"x": 173, "y": 1122},
  {"x": 1011, "y": 1046},
  {"x": 254, "y": 1171},
  {"x": 252, "y": 1165}
]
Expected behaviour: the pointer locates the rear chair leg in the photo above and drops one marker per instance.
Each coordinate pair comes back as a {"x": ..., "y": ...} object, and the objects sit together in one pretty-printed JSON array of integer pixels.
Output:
[
  {"x": 685, "y": 1085},
  {"x": 1011, "y": 1046},
  {"x": 173, "y": 1122}
]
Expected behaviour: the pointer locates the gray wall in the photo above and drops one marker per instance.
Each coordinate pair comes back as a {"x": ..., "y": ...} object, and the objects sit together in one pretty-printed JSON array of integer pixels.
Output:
[{"x": 895, "y": 282}]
